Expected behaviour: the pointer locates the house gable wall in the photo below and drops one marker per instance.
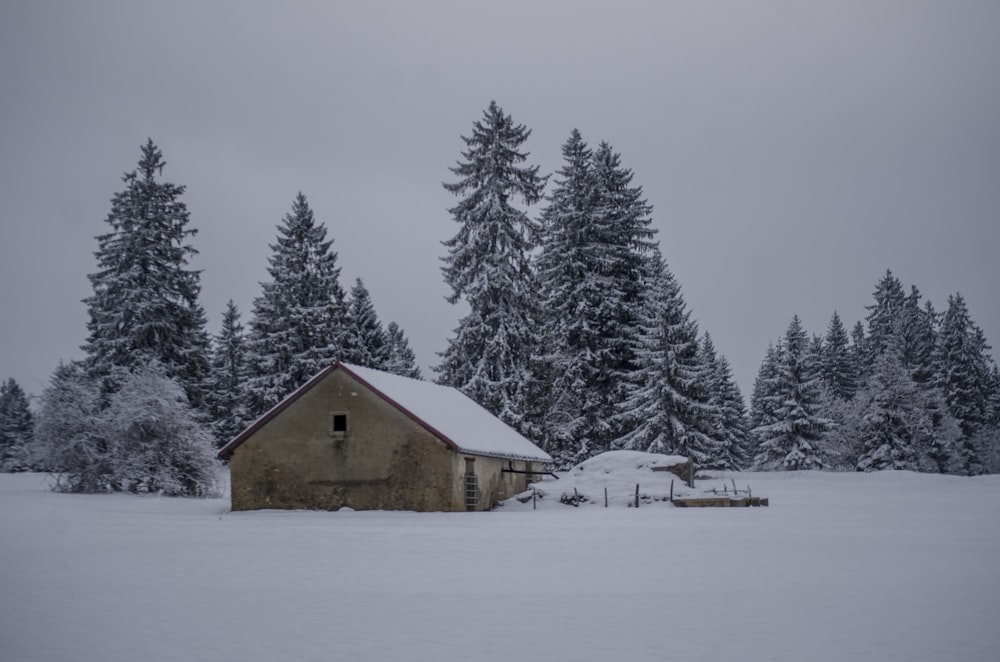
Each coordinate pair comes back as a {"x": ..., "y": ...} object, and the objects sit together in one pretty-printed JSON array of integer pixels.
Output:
[{"x": 386, "y": 460}]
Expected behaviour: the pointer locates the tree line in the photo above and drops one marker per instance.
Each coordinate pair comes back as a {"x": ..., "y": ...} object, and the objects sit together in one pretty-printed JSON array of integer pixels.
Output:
[
  {"x": 155, "y": 395},
  {"x": 577, "y": 335},
  {"x": 909, "y": 389}
]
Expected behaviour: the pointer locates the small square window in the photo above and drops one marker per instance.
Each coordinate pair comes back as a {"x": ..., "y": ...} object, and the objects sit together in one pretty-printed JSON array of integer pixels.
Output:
[{"x": 338, "y": 424}]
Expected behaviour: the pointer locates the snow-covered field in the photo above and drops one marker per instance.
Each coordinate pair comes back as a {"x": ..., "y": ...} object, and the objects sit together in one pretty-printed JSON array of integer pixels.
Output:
[{"x": 889, "y": 566}]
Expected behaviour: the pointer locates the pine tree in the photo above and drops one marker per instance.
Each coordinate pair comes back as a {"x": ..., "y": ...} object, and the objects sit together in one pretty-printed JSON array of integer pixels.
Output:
[
  {"x": 400, "y": 358},
  {"x": 488, "y": 266},
  {"x": 839, "y": 367},
  {"x": 859, "y": 352},
  {"x": 16, "y": 429},
  {"x": 365, "y": 341},
  {"x": 561, "y": 370},
  {"x": 964, "y": 367},
  {"x": 664, "y": 410},
  {"x": 227, "y": 397},
  {"x": 595, "y": 271},
  {"x": 792, "y": 440},
  {"x": 897, "y": 430},
  {"x": 298, "y": 320},
  {"x": 145, "y": 301},
  {"x": 764, "y": 399},
  {"x": 884, "y": 317},
  {"x": 918, "y": 336},
  {"x": 723, "y": 411}
]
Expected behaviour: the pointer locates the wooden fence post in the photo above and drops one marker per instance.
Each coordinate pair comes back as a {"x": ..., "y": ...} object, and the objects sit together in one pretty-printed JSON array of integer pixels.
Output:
[
  {"x": 637, "y": 495},
  {"x": 671, "y": 490},
  {"x": 534, "y": 502},
  {"x": 605, "y": 497}
]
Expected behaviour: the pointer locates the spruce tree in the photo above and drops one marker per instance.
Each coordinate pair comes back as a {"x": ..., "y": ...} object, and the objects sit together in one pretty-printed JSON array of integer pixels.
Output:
[
  {"x": 298, "y": 320},
  {"x": 897, "y": 430},
  {"x": 723, "y": 410},
  {"x": 964, "y": 367},
  {"x": 365, "y": 342},
  {"x": 859, "y": 351},
  {"x": 145, "y": 301},
  {"x": 562, "y": 375},
  {"x": 400, "y": 359},
  {"x": 595, "y": 270},
  {"x": 488, "y": 267},
  {"x": 839, "y": 367},
  {"x": 918, "y": 336},
  {"x": 792, "y": 440},
  {"x": 227, "y": 397},
  {"x": 664, "y": 410},
  {"x": 884, "y": 317},
  {"x": 16, "y": 429},
  {"x": 764, "y": 399}
]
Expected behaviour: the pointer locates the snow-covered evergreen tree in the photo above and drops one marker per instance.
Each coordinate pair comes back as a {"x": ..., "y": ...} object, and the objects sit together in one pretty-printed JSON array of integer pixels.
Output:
[
  {"x": 67, "y": 431},
  {"x": 488, "y": 267},
  {"x": 793, "y": 439},
  {"x": 665, "y": 408},
  {"x": 897, "y": 430},
  {"x": 365, "y": 342},
  {"x": 884, "y": 317},
  {"x": 227, "y": 397},
  {"x": 964, "y": 366},
  {"x": 965, "y": 377},
  {"x": 299, "y": 319},
  {"x": 145, "y": 301},
  {"x": 400, "y": 359},
  {"x": 918, "y": 337},
  {"x": 16, "y": 429},
  {"x": 764, "y": 400},
  {"x": 859, "y": 351},
  {"x": 723, "y": 411},
  {"x": 595, "y": 271},
  {"x": 839, "y": 367}
]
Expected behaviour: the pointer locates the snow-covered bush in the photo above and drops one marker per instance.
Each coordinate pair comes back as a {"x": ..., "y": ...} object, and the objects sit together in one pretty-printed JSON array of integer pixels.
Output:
[
  {"x": 156, "y": 442},
  {"x": 147, "y": 439},
  {"x": 66, "y": 431}
]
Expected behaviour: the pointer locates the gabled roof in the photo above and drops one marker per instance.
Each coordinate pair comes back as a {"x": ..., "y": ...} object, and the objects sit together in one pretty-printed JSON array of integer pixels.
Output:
[{"x": 443, "y": 411}]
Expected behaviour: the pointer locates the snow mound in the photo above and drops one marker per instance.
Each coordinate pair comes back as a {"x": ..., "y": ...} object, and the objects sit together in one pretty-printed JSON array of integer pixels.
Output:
[
  {"x": 617, "y": 461},
  {"x": 617, "y": 472}
]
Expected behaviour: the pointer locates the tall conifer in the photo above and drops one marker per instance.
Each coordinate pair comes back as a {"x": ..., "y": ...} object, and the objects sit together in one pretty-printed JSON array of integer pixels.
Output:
[
  {"x": 488, "y": 266},
  {"x": 298, "y": 320},
  {"x": 145, "y": 301}
]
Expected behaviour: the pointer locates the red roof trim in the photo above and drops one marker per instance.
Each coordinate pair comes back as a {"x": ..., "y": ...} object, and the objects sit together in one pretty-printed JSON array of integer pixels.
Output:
[{"x": 226, "y": 451}]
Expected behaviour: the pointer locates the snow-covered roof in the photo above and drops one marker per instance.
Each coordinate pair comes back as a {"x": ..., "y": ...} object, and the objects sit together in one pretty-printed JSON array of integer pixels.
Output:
[{"x": 445, "y": 412}]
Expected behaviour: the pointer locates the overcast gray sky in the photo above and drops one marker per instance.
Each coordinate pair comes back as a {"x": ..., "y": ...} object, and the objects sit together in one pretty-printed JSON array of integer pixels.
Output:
[{"x": 792, "y": 151}]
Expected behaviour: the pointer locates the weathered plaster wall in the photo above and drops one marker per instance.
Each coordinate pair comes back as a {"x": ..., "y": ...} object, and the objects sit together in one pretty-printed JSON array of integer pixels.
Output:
[
  {"x": 494, "y": 484},
  {"x": 385, "y": 460}
]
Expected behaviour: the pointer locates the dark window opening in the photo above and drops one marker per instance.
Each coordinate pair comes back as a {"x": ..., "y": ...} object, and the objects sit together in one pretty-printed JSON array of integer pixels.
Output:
[{"x": 338, "y": 424}]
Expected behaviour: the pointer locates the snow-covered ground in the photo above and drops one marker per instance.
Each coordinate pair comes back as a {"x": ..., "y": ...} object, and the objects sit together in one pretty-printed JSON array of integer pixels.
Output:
[{"x": 887, "y": 566}]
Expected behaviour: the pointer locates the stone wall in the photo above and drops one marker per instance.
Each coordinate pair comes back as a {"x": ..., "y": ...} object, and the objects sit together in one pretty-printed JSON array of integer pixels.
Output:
[{"x": 385, "y": 460}]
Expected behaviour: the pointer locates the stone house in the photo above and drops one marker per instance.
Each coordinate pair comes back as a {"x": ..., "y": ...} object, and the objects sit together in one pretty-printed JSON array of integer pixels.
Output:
[{"x": 365, "y": 439}]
